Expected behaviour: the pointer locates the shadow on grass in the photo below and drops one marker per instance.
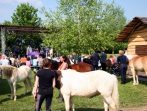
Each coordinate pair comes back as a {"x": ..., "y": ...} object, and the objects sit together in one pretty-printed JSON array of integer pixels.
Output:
[{"x": 7, "y": 91}]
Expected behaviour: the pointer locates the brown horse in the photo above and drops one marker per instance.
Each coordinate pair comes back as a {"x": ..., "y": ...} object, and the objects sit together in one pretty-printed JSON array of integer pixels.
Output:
[
  {"x": 80, "y": 67},
  {"x": 108, "y": 64},
  {"x": 137, "y": 64}
]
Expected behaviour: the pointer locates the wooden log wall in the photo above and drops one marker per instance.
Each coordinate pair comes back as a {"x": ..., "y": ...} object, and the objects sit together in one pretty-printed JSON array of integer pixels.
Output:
[{"x": 137, "y": 43}]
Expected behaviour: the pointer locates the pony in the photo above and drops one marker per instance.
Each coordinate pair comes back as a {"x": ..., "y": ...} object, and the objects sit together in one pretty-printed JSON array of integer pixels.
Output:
[
  {"x": 14, "y": 75},
  {"x": 88, "y": 84},
  {"x": 136, "y": 64}
]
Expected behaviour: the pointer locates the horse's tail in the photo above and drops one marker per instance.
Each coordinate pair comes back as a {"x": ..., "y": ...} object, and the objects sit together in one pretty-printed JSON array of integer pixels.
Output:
[{"x": 115, "y": 93}]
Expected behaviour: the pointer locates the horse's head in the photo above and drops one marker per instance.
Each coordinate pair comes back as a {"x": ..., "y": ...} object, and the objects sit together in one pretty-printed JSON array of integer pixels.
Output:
[
  {"x": 58, "y": 76},
  {"x": 7, "y": 70},
  {"x": 55, "y": 65}
]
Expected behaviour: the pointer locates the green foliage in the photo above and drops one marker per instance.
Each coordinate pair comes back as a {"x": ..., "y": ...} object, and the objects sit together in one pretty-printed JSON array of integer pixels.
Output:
[
  {"x": 84, "y": 26},
  {"x": 26, "y": 15},
  {"x": 130, "y": 96}
]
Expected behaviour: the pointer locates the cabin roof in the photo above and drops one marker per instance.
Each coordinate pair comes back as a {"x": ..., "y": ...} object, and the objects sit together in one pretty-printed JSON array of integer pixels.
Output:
[{"x": 128, "y": 30}]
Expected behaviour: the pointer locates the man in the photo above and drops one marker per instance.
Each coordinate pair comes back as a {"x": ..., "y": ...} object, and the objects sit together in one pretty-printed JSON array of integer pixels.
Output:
[
  {"x": 95, "y": 58},
  {"x": 29, "y": 49},
  {"x": 122, "y": 61},
  {"x": 103, "y": 58}
]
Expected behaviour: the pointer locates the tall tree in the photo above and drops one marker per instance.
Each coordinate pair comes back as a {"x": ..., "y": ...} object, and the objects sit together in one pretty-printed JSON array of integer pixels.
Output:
[{"x": 26, "y": 15}]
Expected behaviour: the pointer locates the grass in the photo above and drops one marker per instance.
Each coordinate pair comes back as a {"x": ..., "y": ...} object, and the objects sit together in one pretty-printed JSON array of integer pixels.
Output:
[{"x": 130, "y": 96}]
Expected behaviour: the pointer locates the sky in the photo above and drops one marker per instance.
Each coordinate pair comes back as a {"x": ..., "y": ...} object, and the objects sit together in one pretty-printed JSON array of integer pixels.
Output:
[{"x": 132, "y": 8}]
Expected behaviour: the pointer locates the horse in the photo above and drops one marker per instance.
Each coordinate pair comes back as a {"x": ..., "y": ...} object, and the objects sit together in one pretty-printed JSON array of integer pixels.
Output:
[
  {"x": 80, "y": 67},
  {"x": 136, "y": 64},
  {"x": 108, "y": 64},
  {"x": 14, "y": 75},
  {"x": 88, "y": 84}
]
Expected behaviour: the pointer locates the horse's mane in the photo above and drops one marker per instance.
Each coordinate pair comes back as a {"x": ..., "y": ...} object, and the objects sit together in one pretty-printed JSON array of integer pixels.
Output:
[{"x": 8, "y": 71}]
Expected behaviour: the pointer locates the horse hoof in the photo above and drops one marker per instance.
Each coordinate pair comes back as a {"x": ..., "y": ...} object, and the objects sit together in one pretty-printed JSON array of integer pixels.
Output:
[{"x": 135, "y": 84}]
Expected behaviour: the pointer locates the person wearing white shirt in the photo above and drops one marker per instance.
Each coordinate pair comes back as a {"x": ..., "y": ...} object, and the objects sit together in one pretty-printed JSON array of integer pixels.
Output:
[
  {"x": 5, "y": 61},
  {"x": 29, "y": 49}
]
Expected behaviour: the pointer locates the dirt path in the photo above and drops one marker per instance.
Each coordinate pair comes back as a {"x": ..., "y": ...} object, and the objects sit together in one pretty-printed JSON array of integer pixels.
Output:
[{"x": 142, "y": 108}]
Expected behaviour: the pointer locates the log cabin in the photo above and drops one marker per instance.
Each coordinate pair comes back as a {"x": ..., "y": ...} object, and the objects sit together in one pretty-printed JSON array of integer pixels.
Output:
[{"x": 135, "y": 33}]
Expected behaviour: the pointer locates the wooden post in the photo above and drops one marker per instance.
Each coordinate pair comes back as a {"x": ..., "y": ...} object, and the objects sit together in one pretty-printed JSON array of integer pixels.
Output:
[{"x": 3, "y": 40}]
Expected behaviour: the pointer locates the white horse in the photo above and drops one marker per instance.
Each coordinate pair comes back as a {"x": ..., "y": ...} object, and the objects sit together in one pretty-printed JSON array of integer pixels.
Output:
[
  {"x": 14, "y": 75},
  {"x": 88, "y": 84}
]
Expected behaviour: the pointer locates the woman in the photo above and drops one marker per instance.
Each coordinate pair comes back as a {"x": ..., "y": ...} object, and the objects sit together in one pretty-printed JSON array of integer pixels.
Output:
[
  {"x": 44, "y": 83},
  {"x": 65, "y": 64}
]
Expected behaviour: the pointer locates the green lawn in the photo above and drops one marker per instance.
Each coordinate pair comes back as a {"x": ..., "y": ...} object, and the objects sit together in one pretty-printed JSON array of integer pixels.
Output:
[{"x": 130, "y": 96}]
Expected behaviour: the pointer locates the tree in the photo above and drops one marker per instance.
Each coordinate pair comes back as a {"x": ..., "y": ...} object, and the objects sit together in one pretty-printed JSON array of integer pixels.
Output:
[
  {"x": 85, "y": 25},
  {"x": 26, "y": 15}
]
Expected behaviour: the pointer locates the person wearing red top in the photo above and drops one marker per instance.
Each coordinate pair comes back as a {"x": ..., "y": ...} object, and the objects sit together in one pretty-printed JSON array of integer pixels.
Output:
[{"x": 65, "y": 63}]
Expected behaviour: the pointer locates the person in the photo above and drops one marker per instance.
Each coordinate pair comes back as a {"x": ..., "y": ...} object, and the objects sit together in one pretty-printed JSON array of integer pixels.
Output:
[
  {"x": 17, "y": 51},
  {"x": 23, "y": 60},
  {"x": 112, "y": 59},
  {"x": 35, "y": 63},
  {"x": 12, "y": 58},
  {"x": 29, "y": 49},
  {"x": 44, "y": 84},
  {"x": 17, "y": 62},
  {"x": 122, "y": 61},
  {"x": 103, "y": 58},
  {"x": 65, "y": 64},
  {"x": 70, "y": 59},
  {"x": 40, "y": 59},
  {"x": 95, "y": 58},
  {"x": 5, "y": 61},
  {"x": 28, "y": 63}
]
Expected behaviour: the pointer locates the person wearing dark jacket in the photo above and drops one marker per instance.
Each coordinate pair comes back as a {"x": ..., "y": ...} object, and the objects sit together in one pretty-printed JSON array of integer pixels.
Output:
[
  {"x": 103, "y": 58},
  {"x": 94, "y": 60},
  {"x": 122, "y": 61}
]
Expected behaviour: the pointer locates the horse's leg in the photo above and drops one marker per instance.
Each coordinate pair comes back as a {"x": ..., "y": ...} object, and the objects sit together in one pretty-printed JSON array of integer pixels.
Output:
[
  {"x": 25, "y": 83},
  {"x": 12, "y": 90},
  {"x": 109, "y": 100},
  {"x": 106, "y": 106},
  {"x": 137, "y": 81},
  {"x": 134, "y": 76},
  {"x": 71, "y": 104},
  {"x": 30, "y": 83},
  {"x": 67, "y": 102}
]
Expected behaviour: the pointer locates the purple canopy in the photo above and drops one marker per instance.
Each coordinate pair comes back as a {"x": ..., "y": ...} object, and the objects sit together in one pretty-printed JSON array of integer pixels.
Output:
[{"x": 35, "y": 53}]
